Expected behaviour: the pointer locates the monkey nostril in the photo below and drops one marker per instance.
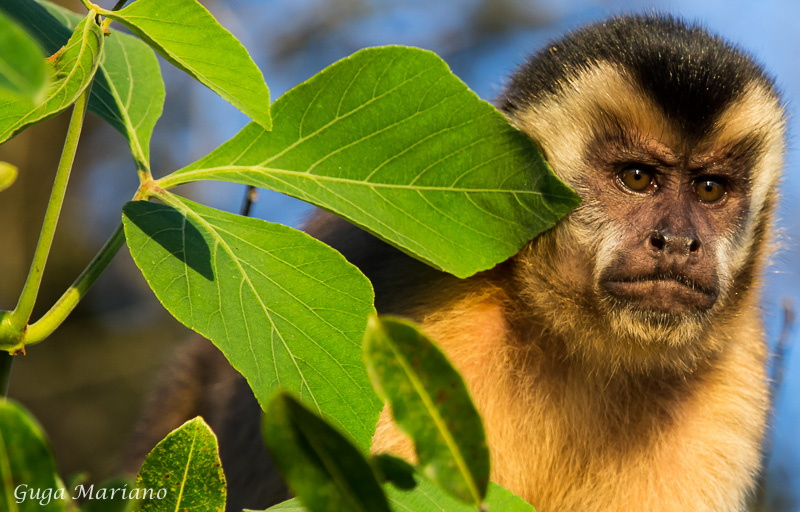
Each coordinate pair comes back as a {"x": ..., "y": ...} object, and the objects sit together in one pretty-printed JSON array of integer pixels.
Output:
[
  {"x": 694, "y": 245},
  {"x": 657, "y": 241}
]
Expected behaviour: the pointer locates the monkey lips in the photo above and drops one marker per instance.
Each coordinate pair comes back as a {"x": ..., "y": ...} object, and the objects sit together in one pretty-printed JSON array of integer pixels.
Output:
[{"x": 667, "y": 292}]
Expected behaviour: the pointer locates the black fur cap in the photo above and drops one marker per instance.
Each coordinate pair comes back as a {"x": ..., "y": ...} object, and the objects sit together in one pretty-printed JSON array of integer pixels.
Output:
[{"x": 692, "y": 74}]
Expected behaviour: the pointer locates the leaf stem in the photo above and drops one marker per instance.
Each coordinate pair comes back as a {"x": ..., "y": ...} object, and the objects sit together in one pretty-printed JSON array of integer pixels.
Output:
[
  {"x": 90, "y": 6},
  {"x": 50, "y": 321},
  {"x": 22, "y": 313}
]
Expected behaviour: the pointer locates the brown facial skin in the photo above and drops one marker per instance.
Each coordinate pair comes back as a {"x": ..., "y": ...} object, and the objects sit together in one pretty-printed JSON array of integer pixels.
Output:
[
  {"x": 669, "y": 208},
  {"x": 670, "y": 232}
]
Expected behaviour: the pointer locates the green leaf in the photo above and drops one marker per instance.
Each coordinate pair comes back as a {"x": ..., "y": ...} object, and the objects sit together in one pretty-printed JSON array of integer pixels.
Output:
[
  {"x": 285, "y": 309},
  {"x": 391, "y": 140},
  {"x": 185, "y": 463},
  {"x": 325, "y": 470},
  {"x": 292, "y": 505},
  {"x": 23, "y": 70},
  {"x": 396, "y": 470},
  {"x": 28, "y": 472},
  {"x": 188, "y": 36},
  {"x": 429, "y": 402},
  {"x": 72, "y": 68},
  {"x": 8, "y": 175},
  {"x": 427, "y": 497},
  {"x": 128, "y": 91}
]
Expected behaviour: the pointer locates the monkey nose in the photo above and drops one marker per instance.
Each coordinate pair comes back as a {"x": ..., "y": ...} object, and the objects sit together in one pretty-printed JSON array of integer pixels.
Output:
[{"x": 663, "y": 243}]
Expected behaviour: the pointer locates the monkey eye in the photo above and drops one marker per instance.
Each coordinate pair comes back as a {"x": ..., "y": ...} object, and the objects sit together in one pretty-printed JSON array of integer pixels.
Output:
[
  {"x": 637, "y": 177},
  {"x": 709, "y": 190}
]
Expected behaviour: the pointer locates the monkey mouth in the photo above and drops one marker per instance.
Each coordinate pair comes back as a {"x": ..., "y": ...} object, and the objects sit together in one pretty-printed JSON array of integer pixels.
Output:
[{"x": 666, "y": 293}]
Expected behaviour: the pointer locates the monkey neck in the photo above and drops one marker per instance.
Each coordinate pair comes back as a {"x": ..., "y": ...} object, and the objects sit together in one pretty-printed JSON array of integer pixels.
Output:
[{"x": 618, "y": 404}]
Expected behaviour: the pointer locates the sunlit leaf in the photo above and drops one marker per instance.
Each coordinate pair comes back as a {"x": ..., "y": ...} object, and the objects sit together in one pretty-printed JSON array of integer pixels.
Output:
[
  {"x": 22, "y": 67},
  {"x": 72, "y": 69},
  {"x": 391, "y": 140},
  {"x": 325, "y": 470},
  {"x": 128, "y": 91},
  {"x": 186, "y": 465},
  {"x": 429, "y": 402},
  {"x": 187, "y": 35},
  {"x": 285, "y": 309},
  {"x": 27, "y": 467}
]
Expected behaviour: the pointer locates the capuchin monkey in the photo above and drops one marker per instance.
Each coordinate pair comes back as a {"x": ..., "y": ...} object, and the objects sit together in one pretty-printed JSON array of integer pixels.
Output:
[{"x": 618, "y": 359}]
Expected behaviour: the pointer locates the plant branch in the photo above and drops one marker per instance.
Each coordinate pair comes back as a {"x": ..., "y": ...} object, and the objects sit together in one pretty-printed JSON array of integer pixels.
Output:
[
  {"x": 251, "y": 195},
  {"x": 119, "y": 5},
  {"x": 50, "y": 321},
  {"x": 22, "y": 313}
]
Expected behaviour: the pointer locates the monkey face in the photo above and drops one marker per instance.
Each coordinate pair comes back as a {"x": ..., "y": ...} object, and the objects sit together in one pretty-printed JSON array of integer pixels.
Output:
[
  {"x": 670, "y": 213},
  {"x": 672, "y": 223}
]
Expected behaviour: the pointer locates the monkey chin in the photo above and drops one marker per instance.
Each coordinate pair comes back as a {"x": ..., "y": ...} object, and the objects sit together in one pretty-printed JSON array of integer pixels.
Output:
[{"x": 658, "y": 335}]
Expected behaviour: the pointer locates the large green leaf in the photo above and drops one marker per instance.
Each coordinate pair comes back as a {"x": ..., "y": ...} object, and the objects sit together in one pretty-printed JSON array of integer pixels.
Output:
[
  {"x": 285, "y": 309},
  {"x": 429, "y": 402},
  {"x": 128, "y": 91},
  {"x": 390, "y": 139},
  {"x": 187, "y": 35},
  {"x": 183, "y": 472},
  {"x": 23, "y": 70},
  {"x": 325, "y": 470},
  {"x": 28, "y": 477},
  {"x": 72, "y": 68}
]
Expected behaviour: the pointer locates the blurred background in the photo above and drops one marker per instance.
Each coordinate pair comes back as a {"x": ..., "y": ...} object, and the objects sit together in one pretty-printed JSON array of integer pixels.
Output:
[{"x": 86, "y": 384}]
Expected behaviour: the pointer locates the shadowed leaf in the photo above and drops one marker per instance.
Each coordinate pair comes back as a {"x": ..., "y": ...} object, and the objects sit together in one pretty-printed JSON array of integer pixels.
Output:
[
  {"x": 285, "y": 309},
  {"x": 72, "y": 69},
  {"x": 23, "y": 71},
  {"x": 26, "y": 464},
  {"x": 429, "y": 402},
  {"x": 128, "y": 91},
  {"x": 325, "y": 470}
]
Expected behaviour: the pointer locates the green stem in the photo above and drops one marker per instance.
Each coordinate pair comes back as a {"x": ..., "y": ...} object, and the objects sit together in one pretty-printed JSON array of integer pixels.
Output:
[
  {"x": 6, "y": 360},
  {"x": 50, "y": 321},
  {"x": 22, "y": 313}
]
